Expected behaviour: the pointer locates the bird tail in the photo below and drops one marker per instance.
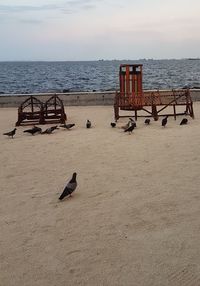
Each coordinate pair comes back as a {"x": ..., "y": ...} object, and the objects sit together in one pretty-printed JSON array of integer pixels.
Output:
[{"x": 61, "y": 197}]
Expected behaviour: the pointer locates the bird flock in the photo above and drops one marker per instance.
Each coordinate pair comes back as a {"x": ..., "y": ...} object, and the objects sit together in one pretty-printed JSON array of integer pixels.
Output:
[
  {"x": 72, "y": 183},
  {"x": 131, "y": 124},
  {"x": 37, "y": 130},
  {"x": 129, "y": 127}
]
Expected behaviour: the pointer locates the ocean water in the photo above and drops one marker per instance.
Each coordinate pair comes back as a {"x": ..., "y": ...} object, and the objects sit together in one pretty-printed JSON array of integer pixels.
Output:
[{"x": 36, "y": 77}]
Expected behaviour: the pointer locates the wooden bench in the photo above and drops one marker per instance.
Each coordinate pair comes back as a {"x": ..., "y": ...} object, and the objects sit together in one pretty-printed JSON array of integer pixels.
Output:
[{"x": 33, "y": 111}]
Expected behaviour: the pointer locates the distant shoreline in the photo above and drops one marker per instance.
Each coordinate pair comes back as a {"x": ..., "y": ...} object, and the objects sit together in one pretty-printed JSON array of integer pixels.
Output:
[
  {"x": 98, "y": 60},
  {"x": 193, "y": 59}
]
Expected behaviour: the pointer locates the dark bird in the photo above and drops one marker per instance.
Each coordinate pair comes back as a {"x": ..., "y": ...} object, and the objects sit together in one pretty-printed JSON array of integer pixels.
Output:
[
  {"x": 33, "y": 130},
  {"x": 70, "y": 187},
  {"x": 113, "y": 124},
  {"x": 54, "y": 127},
  {"x": 11, "y": 133},
  {"x": 130, "y": 129},
  {"x": 132, "y": 122},
  {"x": 184, "y": 121},
  {"x": 88, "y": 124},
  {"x": 50, "y": 130},
  {"x": 164, "y": 121},
  {"x": 147, "y": 121},
  {"x": 67, "y": 126}
]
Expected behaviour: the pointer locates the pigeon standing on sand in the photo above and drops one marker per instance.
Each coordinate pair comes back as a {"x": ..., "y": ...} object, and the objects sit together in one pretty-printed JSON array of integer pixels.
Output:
[
  {"x": 147, "y": 121},
  {"x": 184, "y": 121},
  {"x": 34, "y": 130},
  {"x": 50, "y": 130},
  {"x": 130, "y": 129},
  {"x": 68, "y": 126},
  {"x": 88, "y": 124},
  {"x": 70, "y": 187},
  {"x": 54, "y": 127},
  {"x": 164, "y": 121},
  {"x": 113, "y": 124},
  {"x": 132, "y": 122},
  {"x": 11, "y": 133}
]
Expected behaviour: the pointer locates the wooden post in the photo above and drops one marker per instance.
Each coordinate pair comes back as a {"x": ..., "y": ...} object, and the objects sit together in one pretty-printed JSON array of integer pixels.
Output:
[
  {"x": 135, "y": 114},
  {"x": 154, "y": 112},
  {"x": 42, "y": 120},
  {"x": 174, "y": 107},
  {"x": 31, "y": 103}
]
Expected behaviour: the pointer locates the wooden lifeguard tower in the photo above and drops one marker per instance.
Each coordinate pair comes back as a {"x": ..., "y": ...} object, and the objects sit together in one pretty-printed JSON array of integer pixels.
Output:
[{"x": 131, "y": 96}]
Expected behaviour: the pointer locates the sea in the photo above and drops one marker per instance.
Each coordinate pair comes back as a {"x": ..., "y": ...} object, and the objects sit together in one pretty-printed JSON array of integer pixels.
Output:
[{"x": 102, "y": 75}]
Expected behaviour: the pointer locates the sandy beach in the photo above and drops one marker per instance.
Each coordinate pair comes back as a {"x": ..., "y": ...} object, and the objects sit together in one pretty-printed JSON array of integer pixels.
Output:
[{"x": 133, "y": 220}]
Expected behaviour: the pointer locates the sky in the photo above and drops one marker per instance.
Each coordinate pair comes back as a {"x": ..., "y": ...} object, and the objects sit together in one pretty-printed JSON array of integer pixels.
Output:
[{"x": 99, "y": 29}]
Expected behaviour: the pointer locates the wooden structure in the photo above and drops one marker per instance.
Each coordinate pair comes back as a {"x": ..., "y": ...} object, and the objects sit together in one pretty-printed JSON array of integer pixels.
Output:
[
  {"x": 132, "y": 97},
  {"x": 54, "y": 110},
  {"x": 34, "y": 111}
]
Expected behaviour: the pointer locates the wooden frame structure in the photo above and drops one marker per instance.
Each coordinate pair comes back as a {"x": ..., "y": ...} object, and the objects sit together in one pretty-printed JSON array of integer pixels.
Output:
[
  {"x": 54, "y": 110},
  {"x": 34, "y": 111},
  {"x": 132, "y": 97}
]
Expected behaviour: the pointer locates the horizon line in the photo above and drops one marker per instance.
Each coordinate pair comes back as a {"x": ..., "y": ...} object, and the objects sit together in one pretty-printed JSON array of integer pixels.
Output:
[{"x": 101, "y": 60}]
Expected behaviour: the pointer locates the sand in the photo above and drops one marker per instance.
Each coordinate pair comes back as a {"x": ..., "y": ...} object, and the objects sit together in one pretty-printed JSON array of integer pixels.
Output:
[{"x": 134, "y": 218}]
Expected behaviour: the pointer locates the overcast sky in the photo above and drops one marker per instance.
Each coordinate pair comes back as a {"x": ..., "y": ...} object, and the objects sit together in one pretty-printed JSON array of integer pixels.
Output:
[{"x": 99, "y": 29}]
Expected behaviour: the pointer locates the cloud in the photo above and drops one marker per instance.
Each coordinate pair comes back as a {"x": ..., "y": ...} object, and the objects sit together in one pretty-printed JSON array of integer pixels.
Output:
[
  {"x": 81, "y": 2},
  {"x": 74, "y": 6},
  {"x": 30, "y": 21},
  {"x": 26, "y": 8},
  {"x": 67, "y": 6}
]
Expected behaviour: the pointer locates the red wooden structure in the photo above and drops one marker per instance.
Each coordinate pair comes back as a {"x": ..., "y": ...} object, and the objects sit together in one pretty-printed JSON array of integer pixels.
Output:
[
  {"x": 132, "y": 97},
  {"x": 34, "y": 111}
]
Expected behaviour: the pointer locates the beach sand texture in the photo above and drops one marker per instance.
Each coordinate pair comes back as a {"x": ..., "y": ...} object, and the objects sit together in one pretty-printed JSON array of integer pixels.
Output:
[{"x": 134, "y": 218}]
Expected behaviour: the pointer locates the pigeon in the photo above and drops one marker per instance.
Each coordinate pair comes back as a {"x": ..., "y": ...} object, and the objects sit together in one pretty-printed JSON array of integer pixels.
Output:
[
  {"x": 34, "y": 130},
  {"x": 50, "y": 130},
  {"x": 130, "y": 129},
  {"x": 11, "y": 133},
  {"x": 67, "y": 126},
  {"x": 147, "y": 121},
  {"x": 113, "y": 124},
  {"x": 184, "y": 121},
  {"x": 132, "y": 122},
  {"x": 70, "y": 187},
  {"x": 164, "y": 121},
  {"x": 88, "y": 124},
  {"x": 54, "y": 127}
]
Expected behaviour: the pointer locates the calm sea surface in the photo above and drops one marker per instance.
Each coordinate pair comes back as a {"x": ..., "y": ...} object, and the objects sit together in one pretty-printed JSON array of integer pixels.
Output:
[{"x": 34, "y": 77}]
